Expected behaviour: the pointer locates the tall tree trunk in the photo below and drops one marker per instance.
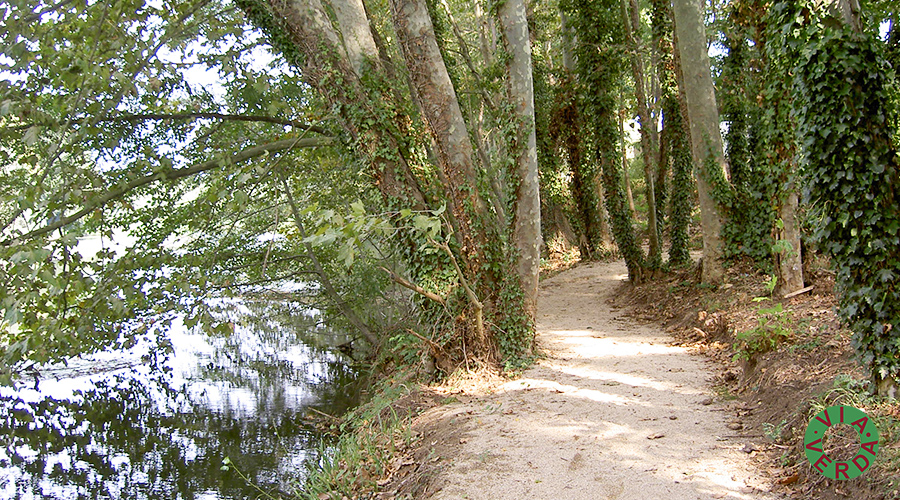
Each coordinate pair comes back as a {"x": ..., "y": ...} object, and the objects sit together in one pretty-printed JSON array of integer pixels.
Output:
[
  {"x": 649, "y": 153},
  {"x": 706, "y": 137},
  {"x": 356, "y": 34},
  {"x": 629, "y": 194},
  {"x": 771, "y": 143},
  {"x": 487, "y": 34},
  {"x": 587, "y": 191},
  {"x": 527, "y": 219},
  {"x": 605, "y": 239},
  {"x": 674, "y": 144},
  {"x": 437, "y": 99},
  {"x": 303, "y": 32}
]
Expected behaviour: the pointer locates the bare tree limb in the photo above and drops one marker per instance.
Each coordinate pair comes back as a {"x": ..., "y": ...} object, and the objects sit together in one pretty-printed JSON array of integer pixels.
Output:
[
  {"x": 400, "y": 280},
  {"x": 169, "y": 175},
  {"x": 435, "y": 347}
]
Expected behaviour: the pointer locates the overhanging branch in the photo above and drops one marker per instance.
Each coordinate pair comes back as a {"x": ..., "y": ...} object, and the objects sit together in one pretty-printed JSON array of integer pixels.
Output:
[
  {"x": 169, "y": 175},
  {"x": 179, "y": 117}
]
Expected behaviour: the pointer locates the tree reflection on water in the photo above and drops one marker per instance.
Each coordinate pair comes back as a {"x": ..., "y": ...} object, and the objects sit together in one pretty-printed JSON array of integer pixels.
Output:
[{"x": 163, "y": 431}]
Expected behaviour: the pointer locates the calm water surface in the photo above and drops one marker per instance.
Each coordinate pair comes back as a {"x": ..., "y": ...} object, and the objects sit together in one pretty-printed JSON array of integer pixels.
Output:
[{"x": 115, "y": 427}]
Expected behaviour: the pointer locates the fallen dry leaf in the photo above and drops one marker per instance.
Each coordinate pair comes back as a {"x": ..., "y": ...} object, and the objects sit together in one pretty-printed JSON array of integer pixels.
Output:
[{"x": 789, "y": 480}]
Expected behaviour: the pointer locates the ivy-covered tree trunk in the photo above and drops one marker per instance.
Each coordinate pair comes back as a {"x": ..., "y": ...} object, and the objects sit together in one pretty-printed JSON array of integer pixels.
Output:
[
  {"x": 568, "y": 128},
  {"x": 851, "y": 165},
  {"x": 755, "y": 173},
  {"x": 599, "y": 34},
  {"x": 586, "y": 200},
  {"x": 675, "y": 146},
  {"x": 527, "y": 218},
  {"x": 778, "y": 148},
  {"x": 649, "y": 148},
  {"x": 706, "y": 138}
]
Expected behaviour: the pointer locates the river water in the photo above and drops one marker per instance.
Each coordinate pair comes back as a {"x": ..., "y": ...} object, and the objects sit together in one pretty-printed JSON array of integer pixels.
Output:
[{"x": 139, "y": 425}]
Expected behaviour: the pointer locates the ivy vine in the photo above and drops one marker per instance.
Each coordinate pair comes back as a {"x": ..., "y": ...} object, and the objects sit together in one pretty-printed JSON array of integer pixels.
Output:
[{"x": 851, "y": 171}]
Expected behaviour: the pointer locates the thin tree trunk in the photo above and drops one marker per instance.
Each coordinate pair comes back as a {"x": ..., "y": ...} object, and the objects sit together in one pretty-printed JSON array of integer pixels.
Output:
[
  {"x": 527, "y": 221},
  {"x": 631, "y": 13},
  {"x": 628, "y": 193},
  {"x": 568, "y": 42},
  {"x": 606, "y": 238},
  {"x": 706, "y": 138},
  {"x": 789, "y": 264},
  {"x": 486, "y": 33},
  {"x": 323, "y": 278}
]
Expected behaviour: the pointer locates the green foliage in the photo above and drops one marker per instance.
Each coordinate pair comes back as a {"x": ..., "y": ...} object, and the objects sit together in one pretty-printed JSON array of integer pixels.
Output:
[
  {"x": 675, "y": 148},
  {"x": 754, "y": 183},
  {"x": 773, "y": 326},
  {"x": 850, "y": 166},
  {"x": 84, "y": 90},
  {"x": 371, "y": 438},
  {"x": 774, "y": 431},
  {"x": 601, "y": 64}
]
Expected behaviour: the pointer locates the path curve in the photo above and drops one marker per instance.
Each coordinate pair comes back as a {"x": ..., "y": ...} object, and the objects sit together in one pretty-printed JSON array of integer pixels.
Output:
[{"x": 612, "y": 412}]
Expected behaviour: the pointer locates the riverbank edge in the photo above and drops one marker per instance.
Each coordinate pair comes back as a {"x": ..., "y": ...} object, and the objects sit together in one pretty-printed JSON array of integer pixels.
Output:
[{"x": 377, "y": 439}]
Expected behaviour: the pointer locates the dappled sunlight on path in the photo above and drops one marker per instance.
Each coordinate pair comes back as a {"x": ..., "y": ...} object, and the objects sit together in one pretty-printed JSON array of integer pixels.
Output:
[{"x": 611, "y": 412}]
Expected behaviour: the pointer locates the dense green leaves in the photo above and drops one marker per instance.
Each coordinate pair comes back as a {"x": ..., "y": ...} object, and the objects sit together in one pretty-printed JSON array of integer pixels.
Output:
[
  {"x": 851, "y": 168},
  {"x": 601, "y": 64},
  {"x": 138, "y": 144}
]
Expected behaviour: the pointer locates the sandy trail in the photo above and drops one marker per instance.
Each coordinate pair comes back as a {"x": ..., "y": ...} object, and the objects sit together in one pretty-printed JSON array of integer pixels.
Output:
[{"x": 611, "y": 413}]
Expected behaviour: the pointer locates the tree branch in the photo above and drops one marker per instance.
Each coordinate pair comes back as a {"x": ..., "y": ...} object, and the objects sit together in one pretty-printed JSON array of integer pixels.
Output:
[
  {"x": 319, "y": 270},
  {"x": 180, "y": 117},
  {"x": 479, "y": 306},
  {"x": 169, "y": 175},
  {"x": 412, "y": 286},
  {"x": 37, "y": 15}
]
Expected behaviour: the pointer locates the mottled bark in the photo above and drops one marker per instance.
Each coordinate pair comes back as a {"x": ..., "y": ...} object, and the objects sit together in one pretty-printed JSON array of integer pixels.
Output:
[
  {"x": 324, "y": 60},
  {"x": 357, "y": 36},
  {"x": 440, "y": 108},
  {"x": 527, "y": 216},
  {"x": 706, "y": 138},
  {"x": 788, "y": 261}
]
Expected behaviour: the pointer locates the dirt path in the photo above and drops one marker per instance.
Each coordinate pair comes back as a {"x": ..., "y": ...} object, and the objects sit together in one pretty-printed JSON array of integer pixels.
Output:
[{"x": 611, "y": 413}]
